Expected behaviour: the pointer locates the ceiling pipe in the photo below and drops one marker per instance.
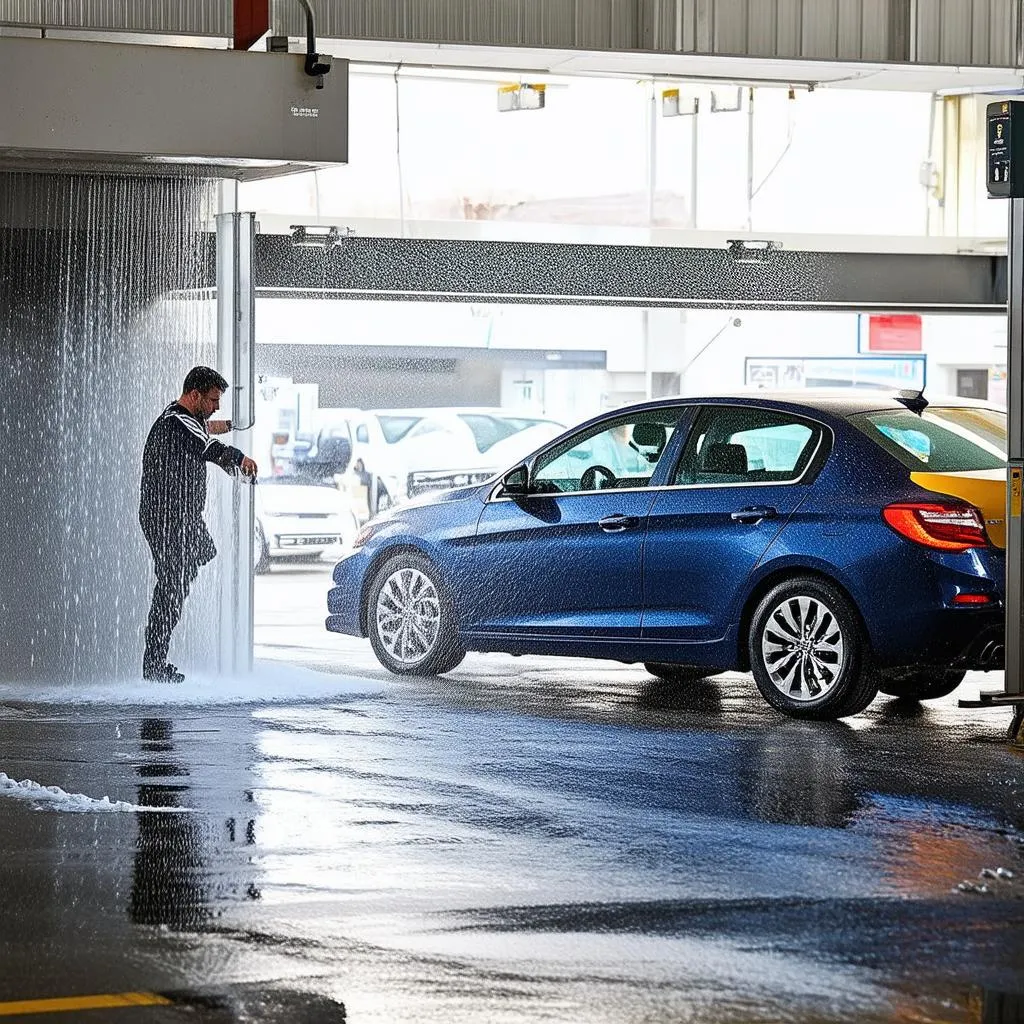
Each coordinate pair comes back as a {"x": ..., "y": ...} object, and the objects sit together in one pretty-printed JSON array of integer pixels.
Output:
[{"x": 317, "y": 64}]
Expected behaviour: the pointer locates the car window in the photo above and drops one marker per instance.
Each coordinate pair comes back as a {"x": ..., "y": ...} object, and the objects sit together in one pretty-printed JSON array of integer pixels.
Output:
[
  {"x": 522, "y": 422},
  {"x": 951, "y": 440},
  {"x": 425, "y": 427},
  {"x": 362, "y": 434},
  {"x": 394, "y": 428},
  {"x": 624, "y": 453},
  {"x": 489, "y": 430},
  {"x": 747, "y": 445}
]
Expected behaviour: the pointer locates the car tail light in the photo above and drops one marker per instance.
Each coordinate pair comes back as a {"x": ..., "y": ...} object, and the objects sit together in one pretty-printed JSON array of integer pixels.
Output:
[
  {"x": 972, "y": 599},
  {"x": 939, "y": 527}
]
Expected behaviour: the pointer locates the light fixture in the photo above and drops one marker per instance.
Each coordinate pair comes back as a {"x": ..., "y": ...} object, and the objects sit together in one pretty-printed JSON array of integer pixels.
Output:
[
  {"x": 521, "y": 96},
  {"x": 755, "y": 250},
  {"x": 318, "y": 236}
]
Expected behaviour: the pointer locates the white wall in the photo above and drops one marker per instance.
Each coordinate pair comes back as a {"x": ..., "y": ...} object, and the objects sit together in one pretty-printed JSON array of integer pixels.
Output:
[
  {"x": 679, "y": 341},
  {"x": 828, "y": 161}
]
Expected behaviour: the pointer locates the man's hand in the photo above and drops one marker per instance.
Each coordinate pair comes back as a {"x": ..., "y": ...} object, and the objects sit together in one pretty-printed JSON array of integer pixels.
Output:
[
  {"x": 248, "y": 467},
  {"x": 218, "y": 426}
]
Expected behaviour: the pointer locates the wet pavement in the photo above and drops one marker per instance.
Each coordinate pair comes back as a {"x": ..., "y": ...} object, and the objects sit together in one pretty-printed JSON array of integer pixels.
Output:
[{"x": 525, "y": 839}]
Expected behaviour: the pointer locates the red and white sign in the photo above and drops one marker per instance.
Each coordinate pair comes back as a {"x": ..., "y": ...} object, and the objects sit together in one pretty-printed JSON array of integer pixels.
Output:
[{"x": 900, "y": 333}]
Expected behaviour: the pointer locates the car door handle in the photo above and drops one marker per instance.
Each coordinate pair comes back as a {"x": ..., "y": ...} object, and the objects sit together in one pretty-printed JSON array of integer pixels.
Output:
[
  {"x": 754, "y": 514},
  {"x": 618, "y": 523}
]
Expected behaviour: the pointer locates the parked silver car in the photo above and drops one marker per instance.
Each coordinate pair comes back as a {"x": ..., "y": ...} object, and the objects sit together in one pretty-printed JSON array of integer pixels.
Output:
[{"x": 300, "y": 521}]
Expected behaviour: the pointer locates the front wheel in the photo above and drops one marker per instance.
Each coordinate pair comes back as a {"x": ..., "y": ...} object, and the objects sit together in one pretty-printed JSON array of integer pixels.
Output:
[
  {"x": 411, "y": 618},
  {"x": 808, "y": 651},
  {"x": 922, "y": 684}
]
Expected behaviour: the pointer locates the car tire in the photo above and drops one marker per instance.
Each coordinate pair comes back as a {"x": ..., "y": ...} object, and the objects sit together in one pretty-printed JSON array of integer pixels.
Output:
[
  {"x": 408, "y": 591},
  {"x": 260, "y": 551},
  {"x": 921, "y": 684},
  {"x": 680, "y": 674},
  {"x": 383, "y": 502},
  {"x": 809, "y": 653}
]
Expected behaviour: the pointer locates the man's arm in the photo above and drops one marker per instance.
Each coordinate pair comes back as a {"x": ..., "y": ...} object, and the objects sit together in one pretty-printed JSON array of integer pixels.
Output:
[{"x": 199, "y": 444}]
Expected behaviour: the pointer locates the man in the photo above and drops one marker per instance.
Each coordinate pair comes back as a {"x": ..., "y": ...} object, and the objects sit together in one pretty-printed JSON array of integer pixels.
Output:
[{"x": 172, "y": 499}]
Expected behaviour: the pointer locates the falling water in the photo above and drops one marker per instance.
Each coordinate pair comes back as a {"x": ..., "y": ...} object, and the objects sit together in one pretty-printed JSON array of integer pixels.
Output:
[{"x": 105, "y": 303}]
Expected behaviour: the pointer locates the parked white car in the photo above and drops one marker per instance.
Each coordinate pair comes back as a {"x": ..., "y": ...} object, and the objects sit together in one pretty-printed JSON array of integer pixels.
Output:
[
  {"x": 300, "y": 521},
  {"x": 399, "y": 454}
]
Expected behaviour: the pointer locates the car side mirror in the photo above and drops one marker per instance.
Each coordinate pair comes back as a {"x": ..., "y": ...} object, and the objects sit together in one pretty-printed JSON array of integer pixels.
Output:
[{"x": 516, "y": 482}]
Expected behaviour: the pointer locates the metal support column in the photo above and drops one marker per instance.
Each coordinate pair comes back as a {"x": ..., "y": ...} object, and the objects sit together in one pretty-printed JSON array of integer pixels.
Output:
[
  {"x": 1012, "y": 693},
  {"x": 1014, "y": 686},
  {"x": 1004, "y": 179},
  {"x": 236, "y": 307}
]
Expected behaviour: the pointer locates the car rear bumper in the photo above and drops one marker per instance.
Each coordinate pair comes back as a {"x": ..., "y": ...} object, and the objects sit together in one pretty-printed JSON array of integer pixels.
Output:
[
  {"x": 986, "y": 650},
  {"x": 947, "y": 638},
  {"x": 911, "y": 602}
]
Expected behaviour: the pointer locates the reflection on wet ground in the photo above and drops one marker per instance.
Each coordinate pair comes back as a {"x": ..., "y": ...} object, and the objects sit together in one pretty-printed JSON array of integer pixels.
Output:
[
  {"x": 526, "y": 839},
  {"x": 507, "y": 846}
]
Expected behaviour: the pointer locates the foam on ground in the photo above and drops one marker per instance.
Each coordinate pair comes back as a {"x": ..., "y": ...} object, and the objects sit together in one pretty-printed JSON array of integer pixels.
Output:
[
  {"x": 271, "y": 682},
  {"x": 53, "y": 798}
]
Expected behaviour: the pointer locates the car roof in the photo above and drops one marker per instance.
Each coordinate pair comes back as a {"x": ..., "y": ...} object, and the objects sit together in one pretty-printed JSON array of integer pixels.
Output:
[{"x": 836, "y": 401}]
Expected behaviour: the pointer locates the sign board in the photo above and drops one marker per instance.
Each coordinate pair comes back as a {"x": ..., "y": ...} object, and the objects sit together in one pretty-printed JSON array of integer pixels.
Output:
[
  {"x": 782, "y": 373},
  {"x": 894, "y": 333},
  {"x": 1004, "y": 166}
]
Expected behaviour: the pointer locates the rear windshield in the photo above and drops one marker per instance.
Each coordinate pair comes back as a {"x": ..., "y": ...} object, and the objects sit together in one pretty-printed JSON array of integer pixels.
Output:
[{"x": 951, "y": 440}]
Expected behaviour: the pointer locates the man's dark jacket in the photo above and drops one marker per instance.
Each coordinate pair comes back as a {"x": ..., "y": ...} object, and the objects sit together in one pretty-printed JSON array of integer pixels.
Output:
[{"x": 173, "y": 492}]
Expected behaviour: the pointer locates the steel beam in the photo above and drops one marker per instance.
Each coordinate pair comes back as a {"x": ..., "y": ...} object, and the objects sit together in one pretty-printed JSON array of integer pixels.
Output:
[{"x": 463, "y": 270}]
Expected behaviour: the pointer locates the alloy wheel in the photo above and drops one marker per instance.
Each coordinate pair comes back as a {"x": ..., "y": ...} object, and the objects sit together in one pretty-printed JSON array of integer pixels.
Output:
[
  {"x": 803, "y": 648},
  {"x": 408, "y": 615}
]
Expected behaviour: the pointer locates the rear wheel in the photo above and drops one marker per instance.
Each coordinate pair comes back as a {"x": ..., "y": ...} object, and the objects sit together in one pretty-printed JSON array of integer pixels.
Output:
[
  {"x": 922, "y": 684},
  {"x": 411, "y": 618},
  {"x": 679, "y": 673},
  {"x": 808, "y": 651}
]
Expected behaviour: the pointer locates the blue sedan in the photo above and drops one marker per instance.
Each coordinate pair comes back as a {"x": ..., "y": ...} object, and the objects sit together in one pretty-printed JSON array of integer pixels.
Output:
[{"x": 834, "y": 545}]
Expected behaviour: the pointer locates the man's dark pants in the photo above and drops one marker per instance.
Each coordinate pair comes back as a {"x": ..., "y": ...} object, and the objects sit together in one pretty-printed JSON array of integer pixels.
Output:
[{"x": 176, "y": 562}]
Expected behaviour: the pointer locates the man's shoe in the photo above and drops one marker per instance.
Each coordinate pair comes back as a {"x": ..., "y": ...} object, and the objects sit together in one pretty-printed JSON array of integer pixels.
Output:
[{"x": 165, "y": 674}]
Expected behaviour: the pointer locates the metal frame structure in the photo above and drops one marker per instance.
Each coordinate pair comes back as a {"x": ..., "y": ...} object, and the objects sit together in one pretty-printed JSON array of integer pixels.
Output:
[
  {"x": 1013, "y": 687},
  {"x": 736, "y": 277},
  {"x": 1005, "y": 180},
  {"x": 236, "y": 314}
]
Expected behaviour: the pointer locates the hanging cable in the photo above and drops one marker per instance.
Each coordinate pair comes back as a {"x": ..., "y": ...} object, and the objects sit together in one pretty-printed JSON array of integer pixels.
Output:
[
  {"x": 782, "y": 156},
  {"x": 733, "y": 321},
  {"x": 398, "y": 154}
]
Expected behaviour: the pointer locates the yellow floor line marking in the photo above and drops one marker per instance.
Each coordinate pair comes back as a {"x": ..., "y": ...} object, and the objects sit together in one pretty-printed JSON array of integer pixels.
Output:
[{"x": 70, "y": 1003}]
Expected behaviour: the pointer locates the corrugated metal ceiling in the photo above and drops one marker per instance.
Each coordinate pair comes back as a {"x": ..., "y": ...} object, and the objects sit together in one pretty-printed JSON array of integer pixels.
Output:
[{"x": 955, "y": 32}]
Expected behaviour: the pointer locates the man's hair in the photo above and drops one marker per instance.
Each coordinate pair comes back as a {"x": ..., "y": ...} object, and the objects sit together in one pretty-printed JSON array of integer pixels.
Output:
[{"x": 202, "y": 378}]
